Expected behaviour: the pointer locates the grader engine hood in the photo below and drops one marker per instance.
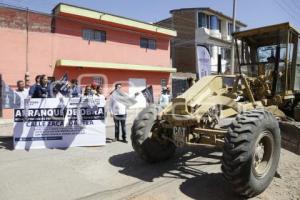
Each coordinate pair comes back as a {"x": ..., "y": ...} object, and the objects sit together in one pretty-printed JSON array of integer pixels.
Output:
[{"x": 201, "y": 98}]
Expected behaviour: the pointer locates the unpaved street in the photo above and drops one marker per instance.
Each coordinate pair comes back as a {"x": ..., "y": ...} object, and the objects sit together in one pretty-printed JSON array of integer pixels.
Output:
[{"x": 115, "y": 172}]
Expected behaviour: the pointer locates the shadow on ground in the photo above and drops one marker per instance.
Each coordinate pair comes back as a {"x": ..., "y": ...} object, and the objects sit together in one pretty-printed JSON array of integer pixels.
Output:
[
  {"x": 208, "y": 186},
  {"x": 7, "y": 143},
  {"x": 198, "y": 184}
]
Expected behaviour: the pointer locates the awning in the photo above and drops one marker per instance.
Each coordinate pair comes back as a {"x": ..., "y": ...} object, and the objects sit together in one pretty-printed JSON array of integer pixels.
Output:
[{"x": 105, "y": 65}]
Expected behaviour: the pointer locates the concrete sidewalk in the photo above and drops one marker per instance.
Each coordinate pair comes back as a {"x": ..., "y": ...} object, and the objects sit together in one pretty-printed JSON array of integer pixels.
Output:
[{"x": 6, "y": 127}]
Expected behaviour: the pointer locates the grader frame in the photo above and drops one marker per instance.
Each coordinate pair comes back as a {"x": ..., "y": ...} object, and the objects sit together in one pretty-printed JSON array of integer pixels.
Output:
[
  {"x": 192, "y": 106},
  {"x": 239, "y": 112}
]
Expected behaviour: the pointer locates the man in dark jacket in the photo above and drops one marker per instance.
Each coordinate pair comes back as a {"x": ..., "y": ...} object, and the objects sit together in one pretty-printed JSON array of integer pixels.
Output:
[
  {"x": 74, "y": 90},
  {"x": 42, "y": 90},
  {"x": 33, "y": 87}
]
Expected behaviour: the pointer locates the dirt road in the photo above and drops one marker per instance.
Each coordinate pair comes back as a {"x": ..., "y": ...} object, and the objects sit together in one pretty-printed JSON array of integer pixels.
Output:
[{"x": 115, "y": 172}]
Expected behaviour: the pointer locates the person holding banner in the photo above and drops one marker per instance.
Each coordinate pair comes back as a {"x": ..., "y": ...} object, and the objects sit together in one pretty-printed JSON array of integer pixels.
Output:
[
  {"x": 99, "y": 93},
  {"x": 94, "y": 87},
  {"x": 75, "y": 90},
  {"x": 22, "y": 93},
  {"x": 119, "y": 102},
  {"x": 88, "y": 91}
]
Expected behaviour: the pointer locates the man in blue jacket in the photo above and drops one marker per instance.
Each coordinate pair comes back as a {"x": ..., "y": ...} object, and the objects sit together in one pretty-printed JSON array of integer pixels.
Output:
[
  {"x": 42, "y": 90},
  {"x": 33, "y": 87}
]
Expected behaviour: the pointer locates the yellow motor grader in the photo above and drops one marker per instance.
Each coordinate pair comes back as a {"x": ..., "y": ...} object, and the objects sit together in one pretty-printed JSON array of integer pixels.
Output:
[{"x": 239, "y": 113}]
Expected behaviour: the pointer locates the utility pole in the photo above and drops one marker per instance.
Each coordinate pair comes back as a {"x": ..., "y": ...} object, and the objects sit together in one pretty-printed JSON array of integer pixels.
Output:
[
  {"x": 26, "y": 77},
  {"x": 232, "y": 40},
  {"x": 27, "y": 29}
]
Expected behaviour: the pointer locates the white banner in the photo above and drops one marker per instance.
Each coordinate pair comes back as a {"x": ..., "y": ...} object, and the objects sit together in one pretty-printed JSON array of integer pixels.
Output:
[
  {"x": 60, "y": 123},
  {"x": 203, "y": 59}
]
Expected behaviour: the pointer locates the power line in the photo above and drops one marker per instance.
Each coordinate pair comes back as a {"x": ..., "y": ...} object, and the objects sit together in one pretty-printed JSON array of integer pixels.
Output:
[
  {"x": 188, "y": 29},
  {"x": 91, "y": 24},
  {"x": 284, "y": 9},
  {"x": 295, "y": 3},
  {"x": 178, "y": 42},
  {"x": 291, "y": 8},
  {"x": 82, "y": 22}
]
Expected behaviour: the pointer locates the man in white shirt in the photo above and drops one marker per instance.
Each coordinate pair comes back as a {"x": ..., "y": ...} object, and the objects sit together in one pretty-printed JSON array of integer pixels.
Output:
[
  {"x": 118, "y": 110},
  {"x": 99, "y": 93},
  {"x": 22, "y": 93},
  {"x": 164, "y": 98}
]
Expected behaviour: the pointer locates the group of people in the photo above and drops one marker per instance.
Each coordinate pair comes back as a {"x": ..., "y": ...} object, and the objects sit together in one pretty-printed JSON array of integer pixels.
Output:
[
  {"x": 93, "y": 89},
  {"x": 118, "y": 104},
  {"x": 43, "y": 88}
]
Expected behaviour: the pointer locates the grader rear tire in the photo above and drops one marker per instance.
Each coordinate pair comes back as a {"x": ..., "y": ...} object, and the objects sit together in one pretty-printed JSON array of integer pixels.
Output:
[
  {"x": 148, "y": 148},
  {"x": 251, "y": 152}
]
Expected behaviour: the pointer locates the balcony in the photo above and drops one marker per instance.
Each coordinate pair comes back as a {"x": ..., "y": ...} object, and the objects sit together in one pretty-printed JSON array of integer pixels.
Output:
[
  {"x": 203, "y": 34},
  {"x": 226, "y": 37},
  {"x": 213, "y": 37}
]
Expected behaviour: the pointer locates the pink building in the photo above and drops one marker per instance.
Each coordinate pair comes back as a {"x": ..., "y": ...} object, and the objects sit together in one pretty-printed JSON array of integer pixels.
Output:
[{"x": 86, "y": 44}]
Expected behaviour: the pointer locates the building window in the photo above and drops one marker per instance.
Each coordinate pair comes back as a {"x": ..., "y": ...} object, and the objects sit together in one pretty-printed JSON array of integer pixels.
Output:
[
  {"x": 220, "y": 25},
  {"x": 209, "y": 21},
  {"x": 144, "y": 43},
  {"x": 99, "y": 80},
  {"x": 147, "y": 43},
  {"x": 94, "y": 35},
  {"x": 214, "y": 23},
  {"x": 203, "y": 20},
  {"x": 87, "y": 34},
  {"x": 100, "y": 36},
  {"x": 230, "y": 28}
]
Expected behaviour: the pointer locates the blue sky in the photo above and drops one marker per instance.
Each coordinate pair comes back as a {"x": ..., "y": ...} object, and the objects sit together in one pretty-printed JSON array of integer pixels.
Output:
[{"x": 254, "y": 13}]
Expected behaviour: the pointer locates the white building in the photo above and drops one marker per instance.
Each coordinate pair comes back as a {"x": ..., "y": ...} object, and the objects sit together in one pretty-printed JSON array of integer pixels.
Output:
[{"x": 200, "y": 27}]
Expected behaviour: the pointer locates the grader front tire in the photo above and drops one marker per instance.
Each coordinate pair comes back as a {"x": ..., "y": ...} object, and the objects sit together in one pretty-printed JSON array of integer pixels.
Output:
[
  {"x": 148, "y": 148},
  {"x": 251, "y": 152}
]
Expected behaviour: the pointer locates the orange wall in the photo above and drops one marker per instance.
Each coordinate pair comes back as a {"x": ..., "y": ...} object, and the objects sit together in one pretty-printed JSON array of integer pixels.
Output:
[
  {"x": 41, "y": 53},
  {"x": 120, "y": 47},
  {"x": 44, "y": 49}
]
